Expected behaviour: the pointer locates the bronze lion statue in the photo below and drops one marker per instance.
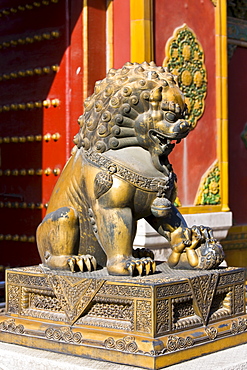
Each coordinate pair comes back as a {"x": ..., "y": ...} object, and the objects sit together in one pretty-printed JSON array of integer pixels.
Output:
[{"x": 118, "y": 173}]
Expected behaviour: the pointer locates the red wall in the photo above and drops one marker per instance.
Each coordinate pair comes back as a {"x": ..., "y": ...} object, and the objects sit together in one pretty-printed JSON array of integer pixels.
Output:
[
  {"x": 65, "y": 85},
  {"x": 201, "y": 142},
  {"x": 121, "y": 32},
  {"x": 237, "y": 119},
  {"x": 96, "y": 42}
]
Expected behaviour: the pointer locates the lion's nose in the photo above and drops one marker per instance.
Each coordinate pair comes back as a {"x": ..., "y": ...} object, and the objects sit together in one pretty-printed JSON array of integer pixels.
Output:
[{"x": 184, "y": 126}]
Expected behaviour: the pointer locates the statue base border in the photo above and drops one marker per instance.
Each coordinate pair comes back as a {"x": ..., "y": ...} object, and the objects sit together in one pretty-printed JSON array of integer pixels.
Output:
[{"x": 151, "y": 322}]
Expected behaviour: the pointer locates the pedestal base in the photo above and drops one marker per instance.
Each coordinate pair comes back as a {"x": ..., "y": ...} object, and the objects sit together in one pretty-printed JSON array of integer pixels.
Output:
[{"x": 151, "y": 322}]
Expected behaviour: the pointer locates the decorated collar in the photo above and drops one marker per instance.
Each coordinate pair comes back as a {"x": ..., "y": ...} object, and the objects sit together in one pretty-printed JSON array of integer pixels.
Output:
[{"x": 153, "y": 184}]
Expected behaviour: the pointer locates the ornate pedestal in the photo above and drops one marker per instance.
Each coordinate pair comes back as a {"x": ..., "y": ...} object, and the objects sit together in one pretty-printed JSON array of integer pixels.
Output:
[{"x": 152, "y": 321}]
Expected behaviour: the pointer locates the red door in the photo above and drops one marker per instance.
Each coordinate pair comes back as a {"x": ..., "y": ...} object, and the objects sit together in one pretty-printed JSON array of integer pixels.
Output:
[
  {"x": 41, "y": 99},
  {"x": 51, "y": 54}
]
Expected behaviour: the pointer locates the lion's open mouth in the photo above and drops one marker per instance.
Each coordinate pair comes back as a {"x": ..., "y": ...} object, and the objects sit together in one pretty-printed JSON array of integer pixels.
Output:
[{"x": 164, "y": 142}]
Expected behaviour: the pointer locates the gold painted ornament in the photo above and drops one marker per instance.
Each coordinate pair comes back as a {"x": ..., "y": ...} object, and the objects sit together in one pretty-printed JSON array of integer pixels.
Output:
[
  {"x": 185, "y": 59},
  {"x": 161, "y": 207}
]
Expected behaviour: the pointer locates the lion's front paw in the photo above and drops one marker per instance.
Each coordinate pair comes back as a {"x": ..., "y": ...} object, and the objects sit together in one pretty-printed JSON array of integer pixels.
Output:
[
  {"x": 143, "y": 266},
  {"x": 82, "y": 262},
  {"x": 131, "y": 266}
]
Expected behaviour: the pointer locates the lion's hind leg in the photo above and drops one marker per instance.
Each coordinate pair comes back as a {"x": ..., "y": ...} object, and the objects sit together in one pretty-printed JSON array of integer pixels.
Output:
[{"x": 58, "y": 242}]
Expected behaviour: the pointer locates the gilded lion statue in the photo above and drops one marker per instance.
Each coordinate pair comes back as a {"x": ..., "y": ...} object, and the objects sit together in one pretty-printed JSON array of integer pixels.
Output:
[{"x": 118, "y": 173}]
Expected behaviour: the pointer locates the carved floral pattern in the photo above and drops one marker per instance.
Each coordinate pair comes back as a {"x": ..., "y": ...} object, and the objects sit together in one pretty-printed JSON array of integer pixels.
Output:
[
  {"x": 125, "y": 291},
  {"x": 129, "y": 308},
  {"x": 162, "y": 324},
  {"x": 239, "y": 302},
  {"x": 144, "y": 316},
  {"x": 13, "y": 298},
  {"x": 225, "y": 279},
  {"x": 209, "y": 188},
  {"x": 185, "y": 58},
  {"x": 122, "y": 310},
  {"x": 211, "y": 332},
  {"x": 172, "y": 289},
  {"x": 239, "y": 326}
]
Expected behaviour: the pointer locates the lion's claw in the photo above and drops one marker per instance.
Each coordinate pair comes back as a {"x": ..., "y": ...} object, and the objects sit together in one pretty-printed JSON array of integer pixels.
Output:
[
  {"x": 139, "y": 267},
  {"x": 82, "y": 262},
  {"x": 147, "y": 268},
  {"x": 94, "y": 262},
  {"x": 87, "y": 263},
  {"x": 131, "y": 267},
  {"x": 79, "y": 263},
  {"x": 153, "y": 265},
  {"x": 142, "y": 266},
  {"x": 71, "y": 262}
]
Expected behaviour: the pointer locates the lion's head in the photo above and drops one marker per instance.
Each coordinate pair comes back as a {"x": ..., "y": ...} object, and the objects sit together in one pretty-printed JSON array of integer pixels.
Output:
[{"x": 137, "y": 105}]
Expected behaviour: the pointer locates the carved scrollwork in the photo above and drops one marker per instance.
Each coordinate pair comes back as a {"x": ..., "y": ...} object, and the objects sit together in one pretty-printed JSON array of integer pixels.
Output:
[
  {"x": 10, "y": 325},
  {"x": 44, "y": 302},
  {"x": 74, "y": 294},
  {"x": 174, "y": 343},
  {"x": 64, "y": 334},
  {"x": 127, "y": 344}
]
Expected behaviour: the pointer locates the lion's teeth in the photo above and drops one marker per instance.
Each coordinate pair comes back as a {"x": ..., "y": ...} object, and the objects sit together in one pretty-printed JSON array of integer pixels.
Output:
[{"x": 168, "y": 141}]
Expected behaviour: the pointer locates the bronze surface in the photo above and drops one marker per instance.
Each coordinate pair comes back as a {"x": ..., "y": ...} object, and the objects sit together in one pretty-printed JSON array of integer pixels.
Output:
[
  {"x": 118, "y": 173},
  {"x": 94, "y": 295},
  {"x": 150, "y": 321}
]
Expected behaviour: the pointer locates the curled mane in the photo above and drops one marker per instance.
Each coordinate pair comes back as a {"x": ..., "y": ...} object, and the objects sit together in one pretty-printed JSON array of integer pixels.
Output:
[{"x": 110, "y": 113}]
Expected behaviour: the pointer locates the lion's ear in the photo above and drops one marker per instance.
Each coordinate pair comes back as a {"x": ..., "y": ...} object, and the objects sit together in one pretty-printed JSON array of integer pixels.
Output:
[{"x": 156, "y": 94}]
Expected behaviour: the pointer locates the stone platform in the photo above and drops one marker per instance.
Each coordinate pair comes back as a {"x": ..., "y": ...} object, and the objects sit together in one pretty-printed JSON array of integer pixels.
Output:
[
  {"x": 13, "y": 357},
  {"x": 150, "y": 322}
]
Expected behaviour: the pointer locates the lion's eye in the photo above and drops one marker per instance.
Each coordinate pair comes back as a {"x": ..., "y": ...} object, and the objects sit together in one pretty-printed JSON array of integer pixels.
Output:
[{"x": 171, "y": 117}]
